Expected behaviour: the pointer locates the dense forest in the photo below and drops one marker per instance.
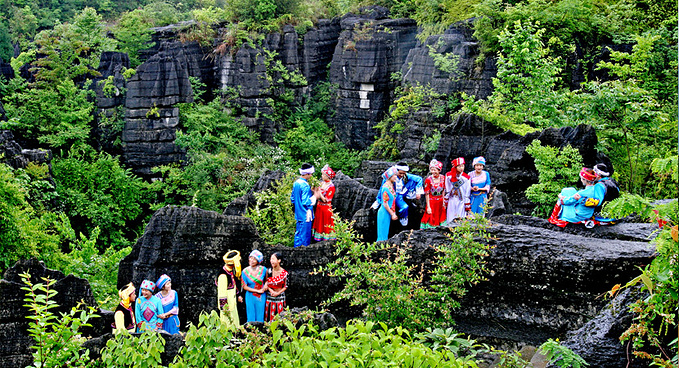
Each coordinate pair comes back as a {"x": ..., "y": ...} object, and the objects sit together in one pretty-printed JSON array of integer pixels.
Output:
[{"x": 83, "y": 212}]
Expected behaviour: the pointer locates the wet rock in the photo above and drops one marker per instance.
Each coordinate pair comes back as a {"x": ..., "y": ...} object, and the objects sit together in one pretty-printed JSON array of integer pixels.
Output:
[{"x": 15, "y": 342}]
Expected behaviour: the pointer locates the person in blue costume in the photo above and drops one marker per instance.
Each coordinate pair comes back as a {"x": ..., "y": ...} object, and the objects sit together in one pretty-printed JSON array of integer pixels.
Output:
[
  {"x": 605, "y": 184},
  {"x": 480, "y": 185},
  {"x": 303, "y": 200},
  {"x": 409, "y": 187},
  {"x": 147, "y": 308},
  {"x": 387, "y": 210},
  {"x": 253, "y": 279},
  {"x": 576, "y": 206},
  {"x": 170, "y": 301}
]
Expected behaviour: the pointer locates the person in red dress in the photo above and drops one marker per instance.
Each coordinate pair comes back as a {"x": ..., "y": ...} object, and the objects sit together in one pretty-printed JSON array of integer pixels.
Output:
[
  {"x": 277, "y": 283},
  {"x": 324, "y": 225},
  {"x": 434, "y": 189}
]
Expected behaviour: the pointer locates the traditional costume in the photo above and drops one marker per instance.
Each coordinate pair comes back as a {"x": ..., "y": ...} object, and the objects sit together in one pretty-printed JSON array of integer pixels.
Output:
[
  {"x": 458, "y": 188},
  {"x": 387, "y": 197},
  {"x": 606, "y": 185},
  {"x": 568, "y": 209},
  {"x": 146, "y": 310},
  {"x": 124, "y": 313},
  {"x": 407, "y": 189},
  {"x": 302, "y": 199},
  {"x": 170, "y": 304},
  {"x": 228, "y": 289},
  {"x": 276, "y": 304},
  {"x": 254, "y": 278},
  {"x": 479, "y": 197},
  {"x": 324, "y": 225},
  {"x": 434, "y": 188}
]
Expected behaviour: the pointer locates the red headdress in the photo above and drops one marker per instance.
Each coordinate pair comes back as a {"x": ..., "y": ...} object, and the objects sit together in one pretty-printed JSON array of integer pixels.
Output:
[
  {"x": 587, "y": 174},
  {"x": 457, "y": 162},
  {"x": 328, "y": 171}
]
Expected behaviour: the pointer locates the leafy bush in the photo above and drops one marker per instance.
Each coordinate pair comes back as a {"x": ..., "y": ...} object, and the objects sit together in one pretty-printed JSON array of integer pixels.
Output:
[
  {"x": 273, "y": 214},
  {"x": 133, "y": 33},
  {"x": 123, "y": 350},
  {"x": 557, "y": 169},
  {"x": 391, "y": 291}
]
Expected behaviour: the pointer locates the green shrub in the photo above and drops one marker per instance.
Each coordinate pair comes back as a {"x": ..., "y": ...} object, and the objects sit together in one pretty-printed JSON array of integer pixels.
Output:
[
  {"x": 273, "y": 214},
  {"x": 125, "y": 350}
]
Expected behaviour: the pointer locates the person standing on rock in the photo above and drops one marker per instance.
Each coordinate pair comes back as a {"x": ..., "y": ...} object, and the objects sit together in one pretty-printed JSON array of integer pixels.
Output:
[
  {"x": 147, "y": 308},
  {"x": 303, "y": 201},
  {"x": 170, "y": 301},
  {"x": 480, "y": 185},
  {"x": 276, "y": 284},
  {"x": 324, "y": 225},
  {"x": 229, "y": 289},
  {"x": 253, "y": 278},
  {"x": 458, "y": 189},
  {"x": 434, "y": 188},
  {"x": 387, "y": 211},
  {"x": 124, "y": 313},
  {"x": 408, "y": 187}
]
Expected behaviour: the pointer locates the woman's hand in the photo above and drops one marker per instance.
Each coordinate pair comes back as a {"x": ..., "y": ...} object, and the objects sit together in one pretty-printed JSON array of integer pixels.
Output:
[
  {"x": 428, "y": 210},
  {"x": 475, "y": 188},
  {"x": 240, "y": 299},
  {"x": 393, "y": 216}
]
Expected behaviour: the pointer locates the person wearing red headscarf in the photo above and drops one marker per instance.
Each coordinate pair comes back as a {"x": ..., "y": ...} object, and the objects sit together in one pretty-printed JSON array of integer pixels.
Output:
[
  {"x": 575, "y": 206},
  {"x": 458, "y": 190},
  {"x": 434, "y": 188},
  {"x": 324, "y": 225}
]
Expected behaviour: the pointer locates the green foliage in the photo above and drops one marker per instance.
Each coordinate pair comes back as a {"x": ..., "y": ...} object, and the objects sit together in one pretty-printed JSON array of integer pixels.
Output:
[
  {"x": 380, "y": 279},
  {"x": 524, "y": 96},
  {"x": 96, "y": 192},
  {"x": 560, "y": 355},
  {"x": 127, "y": 351},
  {"x": 449, "y": 339},
  {"x": 133, "y": 33},
  {"x": 6, "y": 48},
  {"x": 57, "y": 116},
  {"x": 557, "y": 169},
  {"x": 273, "y": 216},
  {"x": 359, "y": 344},
  {"x": 57, "y": 338},
  {"x": 445, "y": 62}
]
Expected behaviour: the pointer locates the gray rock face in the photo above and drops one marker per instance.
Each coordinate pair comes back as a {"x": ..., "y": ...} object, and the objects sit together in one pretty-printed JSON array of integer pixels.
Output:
[
  {"x": 15, "y": 342},
  {"x": 17, "y": 157},
  {"x": 458, "y": 40},
  {"x": 369, "y": 50},
  {"x": 151, "y": 119}
]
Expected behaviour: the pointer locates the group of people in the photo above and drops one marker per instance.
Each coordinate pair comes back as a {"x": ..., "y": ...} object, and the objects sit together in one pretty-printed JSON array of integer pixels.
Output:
[
  {"x": 447, "y": 197},
  {"x": 262, "y": 289},
  {"x": 157, "y": 312},
  {"x": 584, "y": 206},
  {"x": 318, "y": 222}
]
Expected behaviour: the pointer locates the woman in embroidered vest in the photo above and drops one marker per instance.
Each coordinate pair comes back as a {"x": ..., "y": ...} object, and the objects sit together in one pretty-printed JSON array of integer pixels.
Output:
[
  {"x": 230, "y": 292},
  {"x": 170, "y": 301},
  {"x": 147, "y": 308},
  {"x": 124, "y": 314},
  {"x": 276, "y": 284},
  {"x": 457, "y": 191},
  {"x": 434, "y": 187},
  {"x": 324, "y": 225},
  {"x": 480, "y": 185},
  {"x": 253, "y": 278},
  {"x": 387, "y": 211}
]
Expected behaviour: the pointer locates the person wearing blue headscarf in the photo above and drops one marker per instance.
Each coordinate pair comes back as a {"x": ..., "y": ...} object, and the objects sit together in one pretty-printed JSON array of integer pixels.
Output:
[
  {"x": 170, "y": 301},
  {"x": 387, "y": 210},
  {"x": 253, "y": 280},
  {"x": 480, "y": 185},
  {"x": 303, "y": 201}
]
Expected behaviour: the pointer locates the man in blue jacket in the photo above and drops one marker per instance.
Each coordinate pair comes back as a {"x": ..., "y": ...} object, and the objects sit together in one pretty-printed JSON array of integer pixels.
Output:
[
  {"x": 408, "y": 186},
  {"x": 303, "y": 201}
]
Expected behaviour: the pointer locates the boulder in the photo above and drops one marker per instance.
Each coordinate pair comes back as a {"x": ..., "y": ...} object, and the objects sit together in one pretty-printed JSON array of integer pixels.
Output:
[
  {"x": 12, "y": 154},
  {"x": 15, "y": 342}
]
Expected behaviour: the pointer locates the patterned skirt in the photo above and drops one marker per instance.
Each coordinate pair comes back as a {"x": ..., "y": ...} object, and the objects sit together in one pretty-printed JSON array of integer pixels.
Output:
[{"x": 274, "y": 305}]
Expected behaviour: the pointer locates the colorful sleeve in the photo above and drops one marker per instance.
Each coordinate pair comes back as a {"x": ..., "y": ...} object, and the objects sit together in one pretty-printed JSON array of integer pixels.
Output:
[
  {"x": 427, "y": 185},
  {"x": 137, "y": 313},
  {"x": 330, "y": 193},
  {"x": 487, "y": 184},
  {"x": 175, "y": 304},
  {"x": 306, "y": 197},
  {"x": 385, "y": 196},
  {"x": 159, "y": 308}
]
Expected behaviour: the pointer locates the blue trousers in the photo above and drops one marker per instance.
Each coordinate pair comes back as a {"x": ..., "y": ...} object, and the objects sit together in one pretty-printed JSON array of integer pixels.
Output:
[{"x": 303, "y": 233}]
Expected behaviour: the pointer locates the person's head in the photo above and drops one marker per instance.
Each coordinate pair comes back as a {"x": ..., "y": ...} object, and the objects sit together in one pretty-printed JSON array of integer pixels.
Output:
[
  {"x": 391, "y": 174},
  {"x": 601, "y": 171},
  {"x": 128, "y": 294},
  {"x": 276, "y": 259},
  {"x": 164, "y": 282},
  {"x": 479, "y": 163},
  {"x": 327, "y": 173},
  {"x": 458, "y": 164},
  {"x": 435, "y": 167},
  {"x": 306, "y": 170},
  {"x": 402, "y": 168},
  {"x": 232, "y": 261},
  {"x": 256, "y": 257},
  {"x": 587, "y": 176},
  {"x": 147, "y": 287}
]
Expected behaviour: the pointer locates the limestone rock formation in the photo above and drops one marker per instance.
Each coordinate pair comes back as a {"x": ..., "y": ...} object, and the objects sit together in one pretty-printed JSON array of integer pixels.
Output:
[
  {"x": 371, "y": 47},
  {"x": 13, "y": 155},
  {"x": 15, "y": 342}
]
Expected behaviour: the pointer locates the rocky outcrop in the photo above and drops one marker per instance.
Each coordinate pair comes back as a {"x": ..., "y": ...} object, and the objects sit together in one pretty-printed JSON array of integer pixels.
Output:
[
  {"x": 151, "y": 117},
  {"x": 110, "y": 99},
  {"x": 456, "y": 43},
  {"x": 371, "y": 47},
  {"x": 15, "y": 342},
  {"x": 13, "y": 155}
]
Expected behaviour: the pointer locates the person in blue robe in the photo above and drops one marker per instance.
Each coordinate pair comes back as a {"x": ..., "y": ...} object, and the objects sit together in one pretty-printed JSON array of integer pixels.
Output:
[{"x": 302, "y": 198}]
